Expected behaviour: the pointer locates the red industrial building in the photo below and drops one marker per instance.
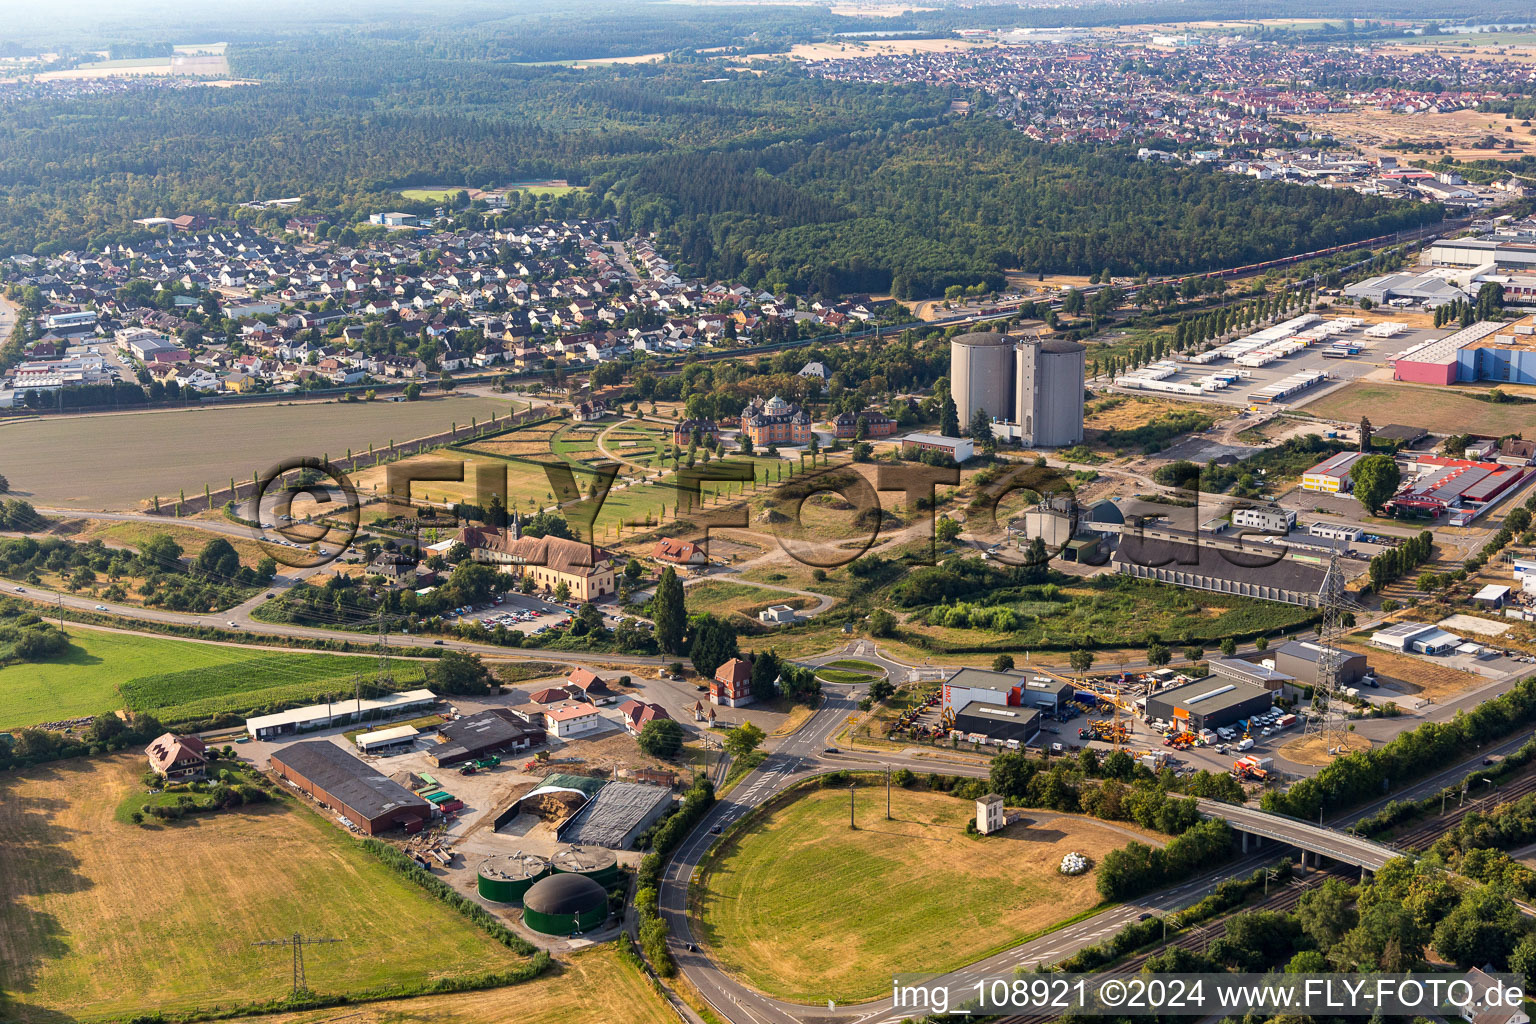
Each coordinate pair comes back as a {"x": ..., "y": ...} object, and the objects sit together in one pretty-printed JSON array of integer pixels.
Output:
[{"x": 1438, "y": 484}]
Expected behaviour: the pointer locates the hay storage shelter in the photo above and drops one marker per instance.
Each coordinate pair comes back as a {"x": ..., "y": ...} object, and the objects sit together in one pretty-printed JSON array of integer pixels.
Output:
[
  {"x": 505, "y": 879},
  {"x": 563, "y": 904}
]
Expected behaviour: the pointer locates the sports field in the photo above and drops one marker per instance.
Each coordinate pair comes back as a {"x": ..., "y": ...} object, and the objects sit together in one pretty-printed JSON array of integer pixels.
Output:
[
  {"x": 594, "y": 987},
  {"x": 105, "y": 920},
  {"x": 803, "y": 908},
  {"x": 1438, "y": 410},
  {"x": 173, "y": 679}
]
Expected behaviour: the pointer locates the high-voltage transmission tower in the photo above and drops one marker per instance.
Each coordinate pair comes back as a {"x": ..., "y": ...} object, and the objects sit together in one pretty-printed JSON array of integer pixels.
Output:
[
  {"x": 1328, "y": 719},
  {"x": 298, "y": 942}
]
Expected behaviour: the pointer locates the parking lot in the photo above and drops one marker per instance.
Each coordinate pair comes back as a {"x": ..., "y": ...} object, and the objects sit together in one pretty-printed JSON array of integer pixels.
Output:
[{"x": 525, "y": 613}]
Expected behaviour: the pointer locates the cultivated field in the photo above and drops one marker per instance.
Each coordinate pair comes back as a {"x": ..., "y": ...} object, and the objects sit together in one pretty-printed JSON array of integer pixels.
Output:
[
  {"x": 594, "y": 987},
  {"x": 106, "y": 920},
  {"x": 173, "y": 679},
  {"x": 803, "y": 908},
  {"x": 1438, "y": 410},
  {"x": 78, "y": 461},
  {"x": 877, "y": 48}
]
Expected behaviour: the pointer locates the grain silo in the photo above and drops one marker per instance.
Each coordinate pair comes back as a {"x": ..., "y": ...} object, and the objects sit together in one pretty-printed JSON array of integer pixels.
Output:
[
  {"x": 506, "y": 878},
  {"x": 1049, "y": 384},
  {"x": 981, "y": 375},
  {"x": 565, "y": 904},
  {"x": 596, "y": 863}
]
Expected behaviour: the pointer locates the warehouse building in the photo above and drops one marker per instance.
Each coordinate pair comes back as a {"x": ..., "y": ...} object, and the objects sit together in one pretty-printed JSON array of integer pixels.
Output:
[
  {"x": 1416, "y": 638},
  {"x": 1252, "y": 673},
  {"x": 1430, "y": 289},
  {"x": 997, "y": 722},
  {"x": 1203, "y": 565},
  {"x": 1300, "y": 658},
  {"x": 565, "y": 904},
  {"x": 1009, "y": 689},
  {"x": 958, "y": 448},
  {"x": 335, "y": 779},
  {"x": 322, "y": 716},
  {"x": 1331, "y": 476},
  {"x": 492, "y": 731},
  {"x": 1209, "y": 703}
]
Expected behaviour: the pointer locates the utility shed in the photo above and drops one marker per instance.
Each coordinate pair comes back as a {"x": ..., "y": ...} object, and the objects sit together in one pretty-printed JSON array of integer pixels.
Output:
[
  {"x": 397, "y": 738},
  {"x": 333, "y": 777},
  {"x": 616, "y": 815},
  {"x": 1209, "y": 703}
]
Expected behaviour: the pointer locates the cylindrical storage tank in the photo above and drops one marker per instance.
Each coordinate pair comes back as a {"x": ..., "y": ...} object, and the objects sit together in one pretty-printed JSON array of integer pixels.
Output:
[
  {"x": 596, "y": 863},
  {"x": 1059, "y": 415},
  {"x": 981, "y": 375},
  {"x": 504, "y": 879},
  {"x": 565, "y": 904}
]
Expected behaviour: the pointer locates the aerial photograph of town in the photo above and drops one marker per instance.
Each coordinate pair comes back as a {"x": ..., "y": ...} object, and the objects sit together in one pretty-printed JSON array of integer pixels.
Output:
[{"x": 767, "y": 511}]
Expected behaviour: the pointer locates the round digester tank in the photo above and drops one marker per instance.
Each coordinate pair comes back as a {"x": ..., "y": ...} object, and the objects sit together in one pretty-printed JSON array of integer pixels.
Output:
[
  {"x": 504, "y": 879},
  {"x": 564, "y": 904},
  {"x": 596, "y": 863}
]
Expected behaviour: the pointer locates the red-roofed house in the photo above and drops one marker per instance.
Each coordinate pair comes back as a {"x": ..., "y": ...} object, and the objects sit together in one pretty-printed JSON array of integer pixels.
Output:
[
  {"x": 590, "y": 685},
  {"x": 638, "y": 712},
  {"x": 679, "y": 552},
  {"x": 732, "y": 685},
  {"x": 178, "y": 757},
  {"x": 550, "y": 695}
]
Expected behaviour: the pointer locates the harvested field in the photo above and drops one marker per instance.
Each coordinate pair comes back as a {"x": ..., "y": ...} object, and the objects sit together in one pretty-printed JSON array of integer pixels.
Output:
[
  {"x": 1438, "y": 410},
  {"x": 96, "y": 927},
  {"x": 181, "y": 64},
  {"x": 877, "y": 48},
  {"x": 594, "y": 987},
  {"x": 1469, "y": 134},
  {"x": 77, "y": 461},
  {"x": 724, "y": 598},
  {"x": 803, "y": 908}
]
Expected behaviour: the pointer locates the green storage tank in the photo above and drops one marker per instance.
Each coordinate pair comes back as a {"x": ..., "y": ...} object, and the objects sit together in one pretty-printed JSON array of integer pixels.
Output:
[
  {"x": 596, "y": 863},
  {"x": 564, "y": 904},
  {"x": 505, "y": 878}
]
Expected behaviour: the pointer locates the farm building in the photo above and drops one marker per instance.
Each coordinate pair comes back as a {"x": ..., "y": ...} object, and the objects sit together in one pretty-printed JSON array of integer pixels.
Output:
[
  {"x": 997, "y": 722},
  {"x": 336, "y": 779},
  {"x": 615, "y": 815},
  {"x": 380, "y": 741},
  {"x": 320, "y": 716},
  {"x": 1299, "y": 658},
  {"x": 638, "y": 713},
  {"x": 176, "y": 757},
  {"x": 570, "y": 719},
  {"x": 565, "y": 904},
  {"x": 585, "y": 684},
  {"x": 507, "y": 878},
  {"x": 492, "y": 731},
  {"x": 1209, "y": 703}
]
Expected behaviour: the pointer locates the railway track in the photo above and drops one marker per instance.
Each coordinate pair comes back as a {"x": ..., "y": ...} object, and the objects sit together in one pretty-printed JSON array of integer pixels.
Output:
[
  {"x": 1423, "y": 835},
  {"x": 1282, "y": 899}
]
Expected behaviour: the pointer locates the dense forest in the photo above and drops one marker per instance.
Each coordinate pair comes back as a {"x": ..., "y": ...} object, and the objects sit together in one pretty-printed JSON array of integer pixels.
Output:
[{"x": 778, "y": 179}]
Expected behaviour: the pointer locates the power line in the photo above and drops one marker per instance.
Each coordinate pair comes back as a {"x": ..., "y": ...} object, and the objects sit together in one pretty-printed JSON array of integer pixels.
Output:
[{"x": 298, "y": 942}]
